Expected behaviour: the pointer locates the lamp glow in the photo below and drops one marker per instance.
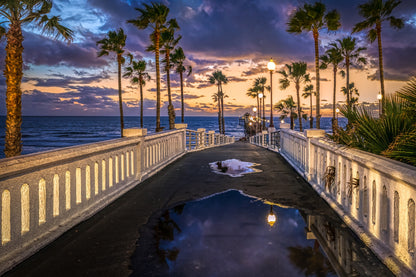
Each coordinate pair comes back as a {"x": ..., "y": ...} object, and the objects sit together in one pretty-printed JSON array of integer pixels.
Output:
[
  {"x": 254, "y": 109},
  {"x": 271, "y": 65},
  {"x": 379, "y": 96},
  {"x": 271, "y": 218},
  {"x": 260, "y": 95},
  {"x": 337, "y": 110}
]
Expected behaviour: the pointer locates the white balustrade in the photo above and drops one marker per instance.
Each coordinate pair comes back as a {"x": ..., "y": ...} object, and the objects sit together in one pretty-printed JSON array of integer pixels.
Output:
[
  {"x": 42, "y": 195},
  {"x": 374, "y": 195}
]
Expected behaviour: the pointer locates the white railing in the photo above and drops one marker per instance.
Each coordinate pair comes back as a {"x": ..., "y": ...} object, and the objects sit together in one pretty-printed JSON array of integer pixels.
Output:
[
  {"x": 43, "y": 195},
  {"x": 200, "y": 139},
  {"x": 374, "y": 195},
  {"x": 269, "y": 139}
]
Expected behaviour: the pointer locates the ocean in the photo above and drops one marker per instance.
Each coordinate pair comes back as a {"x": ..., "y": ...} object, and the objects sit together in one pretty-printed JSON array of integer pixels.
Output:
[{"x": 42, "y": 133}]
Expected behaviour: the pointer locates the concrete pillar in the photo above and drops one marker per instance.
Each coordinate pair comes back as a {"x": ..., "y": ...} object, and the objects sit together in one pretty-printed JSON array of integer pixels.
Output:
[
  {"x": 310, "y": 155},
  {"x": 211, "y": 138},
  {"x": 200, "y": 138}
]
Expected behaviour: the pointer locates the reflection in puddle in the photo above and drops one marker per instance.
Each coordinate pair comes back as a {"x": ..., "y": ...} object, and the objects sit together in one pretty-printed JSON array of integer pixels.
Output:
[
  {"x": 233, "y": 167},
  {"x": 229, "y": 235}
]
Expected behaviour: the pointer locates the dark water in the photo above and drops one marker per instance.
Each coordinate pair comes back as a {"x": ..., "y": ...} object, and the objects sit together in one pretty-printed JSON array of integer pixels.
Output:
[
  {"x": 42, "y": 133},
  {"x": 228, "y": 235}
]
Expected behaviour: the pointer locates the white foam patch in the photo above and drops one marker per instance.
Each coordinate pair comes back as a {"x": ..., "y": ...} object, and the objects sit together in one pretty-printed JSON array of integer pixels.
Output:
[{"x": 235, "y": 168}]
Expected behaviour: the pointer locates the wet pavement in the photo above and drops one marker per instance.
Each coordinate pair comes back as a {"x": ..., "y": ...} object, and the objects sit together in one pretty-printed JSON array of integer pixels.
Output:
[{"x": 159, "y": 229}]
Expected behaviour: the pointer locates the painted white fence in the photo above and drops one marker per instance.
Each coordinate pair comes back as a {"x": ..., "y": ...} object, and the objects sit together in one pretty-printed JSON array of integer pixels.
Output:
[
  {"x": 43, "y": 195},
  {"x": 375, "y": 196}
]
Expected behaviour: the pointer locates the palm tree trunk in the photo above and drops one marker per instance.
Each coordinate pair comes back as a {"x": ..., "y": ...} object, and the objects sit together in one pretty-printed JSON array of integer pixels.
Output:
[
  {"x": 311, "y": 117},
  {"x": 347, "y": 65},
  {"x": 222, "y": 113},
  {"x": 120, "y": 98},
  {"x": 141, "y": 101},
  {"x": 292, "y": 120},
  {"x": 318, "y": 96},
  {"x": 171, "y": 109},
  {"x": 182, "y": 108},
  {"x": 258, "y": 112},
  {"x": 264, "y": 115},
  {"x": 219, "y": 110},
  {"x": 299, "y": 108},
  {"x": 14, "y": 73},
  {"x": 380, "y": 62},
  {"x": 157, "y": 38},
  {"x": 334, "y": 120}
]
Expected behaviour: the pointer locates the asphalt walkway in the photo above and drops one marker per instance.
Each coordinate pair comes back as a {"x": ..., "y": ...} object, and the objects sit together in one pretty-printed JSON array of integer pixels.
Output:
[{"x": 104, "y": 244}]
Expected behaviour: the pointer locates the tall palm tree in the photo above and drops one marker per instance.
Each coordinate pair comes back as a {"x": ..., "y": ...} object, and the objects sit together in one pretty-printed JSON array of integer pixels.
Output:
[
  {"x": 18, "y": 13},
  {"x": 308, "y": 92},
  {"x": 334, "y": 57},
  {"x": 115, "y": 42},
  {"x": 312, "y": 18},
  {"x": 375, "y": 12},
  {"x": 138, "y": 75},
  {"x": 219, "y": 79},
  {"x": 153, "y": 15},
  {"x": 352, "y": 56},
  {"x": 287, "y": 107},
  {"x": 178, "y": 58},
  {"x": 260, "y": 85},
  {"x": 296, "y": 73},
  {"x": 168, "y": 43}
]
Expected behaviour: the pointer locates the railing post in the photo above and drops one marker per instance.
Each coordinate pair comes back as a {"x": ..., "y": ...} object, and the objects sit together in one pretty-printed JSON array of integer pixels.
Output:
[
  {"x": 137, "y": 132},
  {"x": 310, "y": 154},
  {"x": 263, "y": 138},
  {"x": 200, "y": 138},
  {"x": 271, "y": 130},
  {"x": 182, "y": 126},
  {"x": 211, "y": 138}
]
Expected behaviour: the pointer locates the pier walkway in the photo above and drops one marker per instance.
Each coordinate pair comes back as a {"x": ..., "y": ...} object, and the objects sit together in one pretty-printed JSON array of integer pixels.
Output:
[{"x": 104, "y": 244}]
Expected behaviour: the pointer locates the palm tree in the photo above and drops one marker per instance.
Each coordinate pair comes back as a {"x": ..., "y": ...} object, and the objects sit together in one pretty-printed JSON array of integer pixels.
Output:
[
  {"x": 168, "y": 43},
  {"x": 296, "y": 73},
  {"x": 308, "y": 92},
  {"x": 253, "y": 92},
  {"x": 260, "y": 85},
  {"x": 287, "y": 107},
  {"x": 115, "y": 42},
  {"x": 18, "y": 13},
  {"x": 352, "y": 56},
  {"x": 177, "y": 58},
  {"x": 219, "y": 78},
  {"x": 312, "y": 18},
  {"x": 334, "y": 57},
  {"x": 153, "y": 16},
  {"x": 138, "y": 75},
  {"x": 375, "y": 12},
  {"x": 351, "y": 91}
]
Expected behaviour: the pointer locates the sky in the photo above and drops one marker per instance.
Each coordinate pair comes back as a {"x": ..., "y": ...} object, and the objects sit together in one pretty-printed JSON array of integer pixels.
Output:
[{"x": 236, "y": 37}]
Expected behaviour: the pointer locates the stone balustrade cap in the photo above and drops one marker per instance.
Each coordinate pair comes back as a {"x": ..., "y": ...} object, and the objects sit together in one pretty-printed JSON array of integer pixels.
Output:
[
  {"x": 284, "y": 125},
  {"x": 314, "y": 133},
  {"x": 264, "y": 132},
  {"x": 211, "y": 132},
  {"x": 181, "y": 125},
  {"x": 200, "y": 130},
  {"x": 134, "y": 132}
]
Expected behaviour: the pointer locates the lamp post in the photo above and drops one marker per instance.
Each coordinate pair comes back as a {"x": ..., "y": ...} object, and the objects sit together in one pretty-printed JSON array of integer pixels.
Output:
[
  {"x": 263, "y": 119},
  {"x": 379, "y": 97},
  {"x": 271, "y": 66},
  {"x": 255, "y": 117}
]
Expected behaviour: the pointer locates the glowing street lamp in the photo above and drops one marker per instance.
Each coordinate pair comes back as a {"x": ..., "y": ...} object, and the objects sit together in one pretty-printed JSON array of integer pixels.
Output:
[
  {"x": 271, "y": 218},
  {"x": 379, "y": 97},
  {"x": 271, "y": 66},
  {"x": 337, "y": 111}
]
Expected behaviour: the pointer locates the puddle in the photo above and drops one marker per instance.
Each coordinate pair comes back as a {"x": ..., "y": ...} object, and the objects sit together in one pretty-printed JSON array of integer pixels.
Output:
[
  {"x": 233, "y": 167},
  {"x": 227, "y": 234}
]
